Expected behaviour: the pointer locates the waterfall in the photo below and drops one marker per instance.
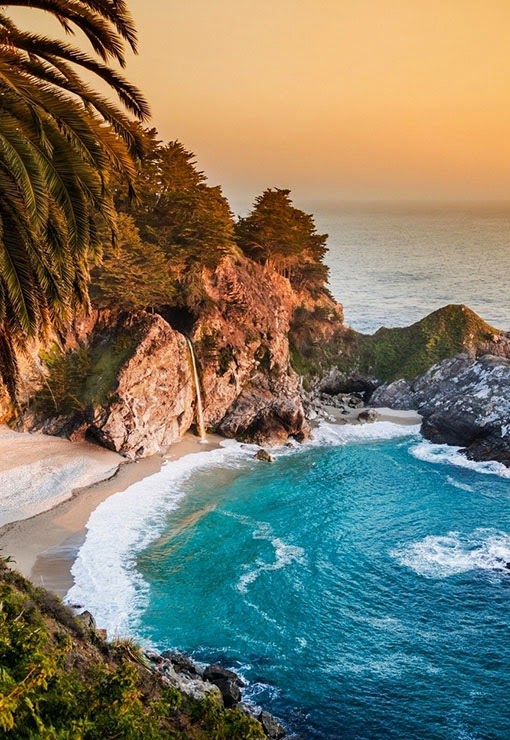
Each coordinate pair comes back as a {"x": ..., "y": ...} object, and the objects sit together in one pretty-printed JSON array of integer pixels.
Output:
[{"x": 200, "y": 410}]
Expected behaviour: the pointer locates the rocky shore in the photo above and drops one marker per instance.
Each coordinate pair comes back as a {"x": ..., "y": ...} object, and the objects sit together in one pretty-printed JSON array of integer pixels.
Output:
[
  {"x": 197, "y": 681},
  {"x": 464, "y": 401},
  {"x": 179, "y": 671}
]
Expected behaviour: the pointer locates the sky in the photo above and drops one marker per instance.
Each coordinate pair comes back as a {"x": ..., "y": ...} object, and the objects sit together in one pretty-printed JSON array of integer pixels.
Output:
[{"x": 334, "y": 99}]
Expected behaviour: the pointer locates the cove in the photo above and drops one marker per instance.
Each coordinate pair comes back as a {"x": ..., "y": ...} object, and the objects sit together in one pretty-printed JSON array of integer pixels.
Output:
[{"x": 360, "y": 588}]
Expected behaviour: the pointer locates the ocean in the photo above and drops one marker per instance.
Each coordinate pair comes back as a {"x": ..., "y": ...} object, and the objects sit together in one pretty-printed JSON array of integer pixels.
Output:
[
  {"x": 358, "y": 583},
  {"x": 392, "y": 265}
]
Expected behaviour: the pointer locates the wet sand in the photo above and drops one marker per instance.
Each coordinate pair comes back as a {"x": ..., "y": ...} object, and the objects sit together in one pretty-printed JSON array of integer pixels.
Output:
[{"x": 45, "y": 546}]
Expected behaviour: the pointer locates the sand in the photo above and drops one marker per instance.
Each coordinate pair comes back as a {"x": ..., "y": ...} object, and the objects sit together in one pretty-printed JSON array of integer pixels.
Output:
[
  {"x": 406, "y": 418},
  {"x": 44, "y": 546},
  {"x": 37, "y": 471}
]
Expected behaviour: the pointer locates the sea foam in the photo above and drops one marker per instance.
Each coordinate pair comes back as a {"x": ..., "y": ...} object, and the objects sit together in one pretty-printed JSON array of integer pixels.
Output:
[
  {"x": 451, "y": 455},
  {"x": 340, "y": 434},
  {"x": 105, "y": 575},
  {"x": 441, "y": 556}
]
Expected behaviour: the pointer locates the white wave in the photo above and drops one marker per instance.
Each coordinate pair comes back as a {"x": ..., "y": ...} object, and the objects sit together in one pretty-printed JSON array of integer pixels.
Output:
[
  {"x": 106, "y": 581},
  {"x": 451, "y": 455},
  {"x": 340, "y": 434},
  {"x": 454, "y": 553},
  {"x": 457, "y": 484},
  {"x": 284, "y": 553}
]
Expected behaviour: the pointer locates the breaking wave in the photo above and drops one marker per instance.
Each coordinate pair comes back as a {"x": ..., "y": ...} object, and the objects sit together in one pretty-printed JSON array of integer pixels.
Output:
[{"x": 448, "y": 555}]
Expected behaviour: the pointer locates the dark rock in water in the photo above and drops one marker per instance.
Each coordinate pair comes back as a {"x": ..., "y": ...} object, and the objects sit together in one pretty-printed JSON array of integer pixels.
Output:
[
  {"x": 271, "y": 726},
  {"x": 264, "y": 455},
  {"x": 464, "y": 401},
  {"x": 182, "y": 663},
  {"x": 228, "y": 683},
  {"x": 87, "y": 619},
  {"x": 368, "y": 416}
]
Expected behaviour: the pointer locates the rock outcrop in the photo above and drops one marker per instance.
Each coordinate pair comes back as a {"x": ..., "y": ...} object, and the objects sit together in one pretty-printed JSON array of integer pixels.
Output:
[
  {"x": 182, "y": 673},
  {"x": 135, "y": 392},
  {"x": 241, "y": 340},
  {"x": 464, "y": 401},
  {"x": 409, "y": 351}
]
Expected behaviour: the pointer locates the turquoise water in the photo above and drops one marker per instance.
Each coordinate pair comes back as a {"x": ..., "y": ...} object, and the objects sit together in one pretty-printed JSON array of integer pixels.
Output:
[{"x": 360, "y": 588}]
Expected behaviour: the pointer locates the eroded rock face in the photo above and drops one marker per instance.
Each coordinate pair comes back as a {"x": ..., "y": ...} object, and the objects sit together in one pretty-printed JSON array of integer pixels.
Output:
[
  {"x": 138, "y": 397},
  {"x": 153, "y": 401},
  {"x": 250, "y": 390},
  {"x": 464, "y": 401}
]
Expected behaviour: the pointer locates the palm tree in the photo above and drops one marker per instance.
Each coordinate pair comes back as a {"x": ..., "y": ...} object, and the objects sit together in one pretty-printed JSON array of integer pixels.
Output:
[{"x": 60, "y": 141}]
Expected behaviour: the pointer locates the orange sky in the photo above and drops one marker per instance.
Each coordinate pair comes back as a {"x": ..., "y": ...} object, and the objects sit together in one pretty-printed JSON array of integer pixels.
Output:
[{"x": 337, "y": 99}]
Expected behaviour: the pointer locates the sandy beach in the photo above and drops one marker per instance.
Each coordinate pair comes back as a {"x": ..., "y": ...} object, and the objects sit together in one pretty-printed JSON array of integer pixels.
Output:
[{"x": 44, "y": 546}]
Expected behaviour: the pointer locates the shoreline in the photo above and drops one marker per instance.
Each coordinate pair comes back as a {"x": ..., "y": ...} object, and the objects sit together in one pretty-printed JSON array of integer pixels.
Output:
[{"x": 44, "y": 547}]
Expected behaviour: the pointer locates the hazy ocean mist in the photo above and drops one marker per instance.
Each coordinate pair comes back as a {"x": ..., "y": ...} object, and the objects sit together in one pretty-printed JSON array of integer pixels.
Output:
[{"x": 390, "y": 265}]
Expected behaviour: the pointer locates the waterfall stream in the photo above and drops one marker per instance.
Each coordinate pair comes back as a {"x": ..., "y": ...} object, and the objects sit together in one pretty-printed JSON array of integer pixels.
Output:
[{"x": 200, "y": 410}]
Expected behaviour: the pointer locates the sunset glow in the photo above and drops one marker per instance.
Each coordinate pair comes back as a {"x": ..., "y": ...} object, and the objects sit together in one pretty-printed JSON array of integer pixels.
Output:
[{"x": 369, "y": 99}]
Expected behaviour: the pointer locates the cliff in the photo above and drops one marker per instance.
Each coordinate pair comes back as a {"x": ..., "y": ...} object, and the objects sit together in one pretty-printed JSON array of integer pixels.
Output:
[
  {"x": 125, "y": 380},
  {"x": 407, "y": 352}
]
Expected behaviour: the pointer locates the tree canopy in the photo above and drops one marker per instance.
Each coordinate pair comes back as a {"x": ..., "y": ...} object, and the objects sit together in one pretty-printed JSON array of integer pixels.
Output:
[
  {"x": 279, "y": 235},
  {"x": 176, "y": 209}
]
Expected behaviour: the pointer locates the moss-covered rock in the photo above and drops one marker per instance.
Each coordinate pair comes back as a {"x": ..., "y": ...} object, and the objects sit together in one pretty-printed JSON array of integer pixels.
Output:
[{"x": 409, "y": 351}]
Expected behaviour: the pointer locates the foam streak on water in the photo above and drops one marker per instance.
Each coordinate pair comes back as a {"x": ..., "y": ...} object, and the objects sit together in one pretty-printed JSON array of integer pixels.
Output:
[{"x": 106, "y": 579}]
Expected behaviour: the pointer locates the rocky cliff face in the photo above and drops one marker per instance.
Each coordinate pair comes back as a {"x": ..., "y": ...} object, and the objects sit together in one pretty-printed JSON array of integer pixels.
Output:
[
  {"x": 241, "y": 341},
  {"x": 125, "y": 380},
  {"x": 464, "y": 401}
]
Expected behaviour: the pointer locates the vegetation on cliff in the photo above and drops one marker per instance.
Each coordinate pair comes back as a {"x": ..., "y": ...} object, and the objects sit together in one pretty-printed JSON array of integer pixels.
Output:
[
  {"x": 409, "y": 351},
  {"x": 279, "y": 235},
  {"x": 59, "y": 679}
]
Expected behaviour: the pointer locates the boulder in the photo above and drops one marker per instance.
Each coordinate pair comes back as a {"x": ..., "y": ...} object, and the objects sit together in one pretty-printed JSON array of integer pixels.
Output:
[
  {"x": 264, "y": 455},
  {"x": 88, "y": 620},
  {"x": 272, "y": 728},
  {"x": 182, "y": 663},
  {"x": 397, "y": 395},
  {"x": 228, "y": 683},
  {"x": 368, "y": 416}
]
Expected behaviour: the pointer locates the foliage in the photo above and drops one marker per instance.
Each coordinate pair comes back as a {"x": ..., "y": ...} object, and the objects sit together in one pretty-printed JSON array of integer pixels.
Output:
[
  {"x": 135, "y": 275},
  {"x": 276, "y": 233},
  {"x": 410, "y": 351},
  {"x": 82, "y": 377},
  {"x": 57, "y": 682},
  {"x": 177, "y": 226},
  {"x": 176, "y": 209},
  {"x": 59, "y": 140}
]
